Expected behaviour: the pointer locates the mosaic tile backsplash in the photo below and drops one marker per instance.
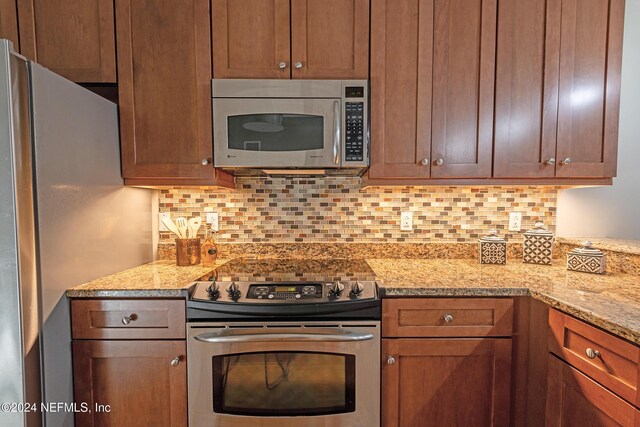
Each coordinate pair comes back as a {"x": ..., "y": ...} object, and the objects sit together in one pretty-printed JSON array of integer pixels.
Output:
[{"x": 336, "y": 209}]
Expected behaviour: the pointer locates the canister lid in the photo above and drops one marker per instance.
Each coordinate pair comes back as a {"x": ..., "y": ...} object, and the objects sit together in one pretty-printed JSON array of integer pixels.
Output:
[
  {"x": 587, "y": 249},
  {"x": 539, "y": 230},
  {"x": 492, "y": 236}
]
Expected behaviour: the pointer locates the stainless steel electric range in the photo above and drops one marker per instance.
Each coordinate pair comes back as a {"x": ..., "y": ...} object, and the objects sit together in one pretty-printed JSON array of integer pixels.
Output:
[{"x": 285, "y": 343}]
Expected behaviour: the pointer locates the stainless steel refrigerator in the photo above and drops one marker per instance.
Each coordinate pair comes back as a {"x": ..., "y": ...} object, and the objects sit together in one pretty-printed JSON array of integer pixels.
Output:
[{"x": 65, "y": 218}]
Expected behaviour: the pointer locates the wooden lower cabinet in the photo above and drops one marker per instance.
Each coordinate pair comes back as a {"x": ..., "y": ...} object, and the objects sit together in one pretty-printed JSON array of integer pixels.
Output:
[
  {"x": 573, "y": 399},
  {"x": 452, "y": 382},
  {"x": 137, "y": 379}
]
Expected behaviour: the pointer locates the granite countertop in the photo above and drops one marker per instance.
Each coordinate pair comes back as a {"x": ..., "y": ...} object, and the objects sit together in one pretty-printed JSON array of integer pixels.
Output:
[
  {"x": 631, "y": 247},
  {"x": 156, "y": 279},
  {"x": 610, "y": 301}
]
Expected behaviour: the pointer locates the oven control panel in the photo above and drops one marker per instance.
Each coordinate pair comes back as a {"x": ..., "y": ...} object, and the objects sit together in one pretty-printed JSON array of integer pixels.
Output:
[{"x": 285, "y": 291}]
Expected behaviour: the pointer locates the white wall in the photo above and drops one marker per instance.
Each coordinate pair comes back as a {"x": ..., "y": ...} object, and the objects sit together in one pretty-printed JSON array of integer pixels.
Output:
[{"x": 614, "y": 211}]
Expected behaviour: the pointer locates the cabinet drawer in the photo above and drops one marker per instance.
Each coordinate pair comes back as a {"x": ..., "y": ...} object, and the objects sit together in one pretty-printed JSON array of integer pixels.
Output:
[
  {"x": 128, "y": 319},
  {"x": 615, "y": 365},
  {"x": 447, "y": 317}
]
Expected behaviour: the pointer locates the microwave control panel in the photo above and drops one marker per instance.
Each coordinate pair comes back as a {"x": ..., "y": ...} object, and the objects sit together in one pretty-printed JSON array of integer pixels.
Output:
[{"x": 354, "y": 135}]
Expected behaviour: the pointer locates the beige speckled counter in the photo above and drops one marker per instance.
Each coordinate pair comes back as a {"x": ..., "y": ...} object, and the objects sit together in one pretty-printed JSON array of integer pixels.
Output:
[
  {"x": 610, "y": 301},
  {"x": 156, "y": 279}
]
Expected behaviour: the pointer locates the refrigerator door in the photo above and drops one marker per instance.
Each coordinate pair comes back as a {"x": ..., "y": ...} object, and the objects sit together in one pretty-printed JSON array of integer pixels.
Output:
[
  {"x": 88, "y": 224},
  {"x": 65, "y": 219},
  {"x": 19, "y": 358}
]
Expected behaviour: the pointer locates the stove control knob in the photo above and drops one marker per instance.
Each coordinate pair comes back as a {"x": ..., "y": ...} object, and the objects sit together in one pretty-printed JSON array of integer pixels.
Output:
[
  {"x": 336, "y": 290},
  {"x": 357, "y": 288},
  {"x": 213, "y": 290},
  {"x": 234, "y": 291}
]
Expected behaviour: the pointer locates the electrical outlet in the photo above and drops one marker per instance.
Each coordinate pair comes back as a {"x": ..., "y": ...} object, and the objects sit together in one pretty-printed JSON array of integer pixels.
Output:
[
  {"x": 212, "y": 220},
  {"x": 515, "y": 221},
  {"x": 161, "y": 226},
  {"x": 406, "y": 221}
]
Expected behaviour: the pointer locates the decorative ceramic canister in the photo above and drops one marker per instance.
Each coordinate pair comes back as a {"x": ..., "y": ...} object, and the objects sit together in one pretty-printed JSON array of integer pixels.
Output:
[
  {"x": 538, "y": 245},
  {"x": 587, "y": 259},
  {"x": 493, "y": 248}
]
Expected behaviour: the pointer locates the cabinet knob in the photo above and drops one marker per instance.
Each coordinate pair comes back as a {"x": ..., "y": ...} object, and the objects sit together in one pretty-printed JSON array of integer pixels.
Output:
[
  {"x": 439, "y": 162},
  {"x": 566, "y": 161},
  {"x": 130, "y": 318},
  {"x": 282, "y": 65},
  {"x": 448, "y": 318},
  {"x": 175, "y": 361},
  {"x": 551, "y": 161},
  {"x": 424, "y": 162},
  {"x": 592, "y": 354},
  {"x": 298, "y": 65},
  {"x": 204, "y": 162},
  {"x": 391, "y": 360}
]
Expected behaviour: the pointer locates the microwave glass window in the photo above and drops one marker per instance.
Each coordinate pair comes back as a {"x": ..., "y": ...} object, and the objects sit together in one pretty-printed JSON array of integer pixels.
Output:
[
  {"x": 284, "y": 383},
  {"x": 275, "y": 132}
]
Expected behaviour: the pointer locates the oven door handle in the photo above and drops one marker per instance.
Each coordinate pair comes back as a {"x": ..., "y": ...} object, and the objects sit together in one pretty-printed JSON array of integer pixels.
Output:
[
  {"x": 336, "y": 132},
  {"x": 230, "y": 337}
]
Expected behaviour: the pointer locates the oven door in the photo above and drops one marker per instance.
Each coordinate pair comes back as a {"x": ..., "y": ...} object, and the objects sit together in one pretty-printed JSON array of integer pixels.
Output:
[
  {"x": 285, "y": 375},
  {"x": 276, "y": 133}
]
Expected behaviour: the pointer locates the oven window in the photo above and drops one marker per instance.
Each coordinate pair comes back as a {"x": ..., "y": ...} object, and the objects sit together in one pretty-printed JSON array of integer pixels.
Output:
[
  {"x": 284, "y": 383},
  {"x": 275, "y": 132}
]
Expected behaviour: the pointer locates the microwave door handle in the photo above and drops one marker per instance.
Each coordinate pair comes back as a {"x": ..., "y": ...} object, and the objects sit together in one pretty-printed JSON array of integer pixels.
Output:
[
  {"x": 286, "y": 337},
  {"x": 336, "y": 132}
]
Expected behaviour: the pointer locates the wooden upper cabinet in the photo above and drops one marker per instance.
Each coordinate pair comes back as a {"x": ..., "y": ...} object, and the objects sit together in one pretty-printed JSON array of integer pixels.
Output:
[
  {"x": 72, "y": 38},
  {"x": 265, "y": 39},
  {"x": 463, "y": 86},
  {"x": 432, "y": 83},
  {"x": 401, "y": 85},
  {"x": 446, "y": 382},
  {"x": 139, "y": 380},
  {"x": 330, "y": 39},
  {"x": 526, "y": 104},
  {"x": 164, "y": 77},
  {"x": 589, "y": 87},
  {"x": 9, "y": 22},
  {"x": 251, "y": 39}
]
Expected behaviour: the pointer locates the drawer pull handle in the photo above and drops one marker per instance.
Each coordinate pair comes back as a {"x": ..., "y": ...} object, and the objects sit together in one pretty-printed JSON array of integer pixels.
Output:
[
  {"x": 448, "y": 318},
  {"x": 176, "y": 361},
  {"x": 592, "y": 354},
  {"x": 391, "y": 360},
  {"x": 130, "y": 318}
]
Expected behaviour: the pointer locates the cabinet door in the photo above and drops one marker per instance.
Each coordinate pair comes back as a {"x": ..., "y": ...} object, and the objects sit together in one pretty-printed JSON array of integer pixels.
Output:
[
  {"x": 9, "y": 22},
  {"x": 575, "y": 400},
  {"x": 589, "y": 88},
  {"x": 330, "y": 39},
  {"x": 401, "y": 79},
  {"x": 74, "y": 38},
  {"x": 526, "y": 88},
  {"x": 453, "y": 382},
  {"x": 251, "y": 39},
  {"x": 463, "y": 87},
  {"x": 135, "y": 378},
  {"x": 164, "y": 75}
]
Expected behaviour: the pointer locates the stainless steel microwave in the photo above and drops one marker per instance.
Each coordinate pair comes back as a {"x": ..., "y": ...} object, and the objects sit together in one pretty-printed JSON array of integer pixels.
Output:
[{"x": 291, "y": 125}]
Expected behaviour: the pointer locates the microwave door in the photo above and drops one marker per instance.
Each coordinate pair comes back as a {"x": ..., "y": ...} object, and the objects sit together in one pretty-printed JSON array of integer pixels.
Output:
[{"x": 276, "y": 133}]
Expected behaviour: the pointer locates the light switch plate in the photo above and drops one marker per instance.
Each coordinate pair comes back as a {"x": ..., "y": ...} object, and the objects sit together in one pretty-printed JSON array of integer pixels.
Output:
[
  {"x": 406, "y": 221},
  {"x": 515, "y": 221},
  {"x": 161, "y": 226},
  {"x": 212, "y": 220}
]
